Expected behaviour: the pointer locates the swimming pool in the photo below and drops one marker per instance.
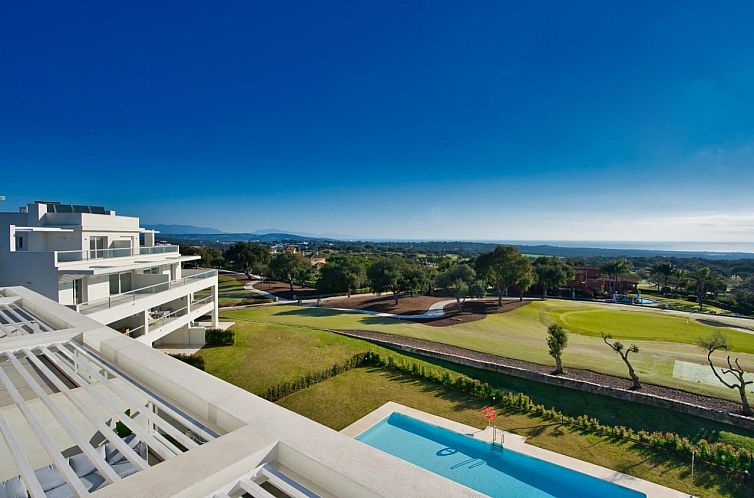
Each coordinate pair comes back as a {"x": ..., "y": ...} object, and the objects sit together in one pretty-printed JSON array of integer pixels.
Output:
[{"x": 471, "y": 462}]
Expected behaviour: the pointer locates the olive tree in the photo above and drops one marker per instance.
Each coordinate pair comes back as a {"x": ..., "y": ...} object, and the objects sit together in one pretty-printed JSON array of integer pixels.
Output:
[
  {"x": 557, "y": 340},
  {"x": 457, "y": 279},
  {"x": 716, "y": 341},
  {"x": 621, "y": 349}
]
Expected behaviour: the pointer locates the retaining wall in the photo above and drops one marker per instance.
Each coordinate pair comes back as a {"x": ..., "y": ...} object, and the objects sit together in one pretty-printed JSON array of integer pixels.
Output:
[{"x": 590, "y": 387}]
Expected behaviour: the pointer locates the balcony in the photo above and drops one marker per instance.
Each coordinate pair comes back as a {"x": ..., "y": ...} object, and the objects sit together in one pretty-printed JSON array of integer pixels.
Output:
[
  {"x": 120, "y": 252},
  {"x": 143, "y": 292}
]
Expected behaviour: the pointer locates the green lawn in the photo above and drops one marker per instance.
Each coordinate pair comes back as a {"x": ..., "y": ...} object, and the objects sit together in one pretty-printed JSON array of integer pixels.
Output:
[
  {"x": 662, "y": 338},
  {"x": 268, "y": 354},
  {"x": 230, "y": 292},
  {"x": 344, "y": 399}
]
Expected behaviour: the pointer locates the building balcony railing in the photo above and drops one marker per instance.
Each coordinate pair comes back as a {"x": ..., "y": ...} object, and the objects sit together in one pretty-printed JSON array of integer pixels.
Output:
[
  {"x": 100, "y": 304},
  {"x": 118, "y": 252}
]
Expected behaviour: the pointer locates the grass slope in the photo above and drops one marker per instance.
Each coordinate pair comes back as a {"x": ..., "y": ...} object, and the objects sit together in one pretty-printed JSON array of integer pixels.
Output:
[
  {"x": 344, "y": 399},
  {"x": 662, "y": 338}
]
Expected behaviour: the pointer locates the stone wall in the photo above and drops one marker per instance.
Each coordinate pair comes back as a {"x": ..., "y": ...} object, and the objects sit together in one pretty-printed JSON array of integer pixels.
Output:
[{"x": 590, "y": 387}]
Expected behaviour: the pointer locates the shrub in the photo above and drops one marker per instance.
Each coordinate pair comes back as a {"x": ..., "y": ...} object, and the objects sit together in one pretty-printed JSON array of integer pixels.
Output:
[
  {"x": 191, "y": 359},
  {"x": 219, "y": 337}
]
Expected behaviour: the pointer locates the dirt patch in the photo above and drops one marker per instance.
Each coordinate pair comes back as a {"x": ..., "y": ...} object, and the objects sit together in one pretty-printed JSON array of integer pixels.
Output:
[
  {"x": 473, "y": 311},
  {"x": 408, "y": 305},
  {"x": 283, "y": 290},
  {"x": 572, "y": 373}
]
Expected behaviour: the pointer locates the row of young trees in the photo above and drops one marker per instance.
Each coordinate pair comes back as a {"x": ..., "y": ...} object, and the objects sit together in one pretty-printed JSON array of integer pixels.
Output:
[{"x": 732, "y": 377}]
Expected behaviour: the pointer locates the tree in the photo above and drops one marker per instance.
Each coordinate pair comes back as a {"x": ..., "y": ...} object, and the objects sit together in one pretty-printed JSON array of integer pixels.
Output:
[
  {"x": 212, "y": 257},
  {"x": 703, "y": 280},
  {"x": 551, "y": 272},
  {"x": 525, "y": 276},
  {"x": 557, "y": 340},
  {"x": 716, "y": 341},
  {"x": 678, "y": 279},
  {"x": 614, "y": 270},
  {"x": 289, "y": 267},
  {"x": 661, "y": 272},
  {"x": 343, "y": 274},
  {"x": 415, "y": 278},
  {"x": 457, "y": 279},
  {"x": 619, "y": 348},
  {"x": 386, "y": 275},
  {"x": 502, "y": 268},
  {"x": 248, "y": 257}
]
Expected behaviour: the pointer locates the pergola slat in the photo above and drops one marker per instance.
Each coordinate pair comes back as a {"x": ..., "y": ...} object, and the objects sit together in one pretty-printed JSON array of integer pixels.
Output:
[
  {"x": 158, "y": 402},
  {"x": 81, "y": 441},
  {"x": 130, "y": 399},
  {"x": 27, "y": 474},
  {"x": 157, "y": 446},
  {"x": 44, "y": 438},
  {"x": 254, "y": 489},
  {"x": 103, "y": 428}
]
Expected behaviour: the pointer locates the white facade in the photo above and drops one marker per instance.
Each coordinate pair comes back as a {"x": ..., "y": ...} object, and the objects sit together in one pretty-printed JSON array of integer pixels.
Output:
[{"x": 107, "y": 267}]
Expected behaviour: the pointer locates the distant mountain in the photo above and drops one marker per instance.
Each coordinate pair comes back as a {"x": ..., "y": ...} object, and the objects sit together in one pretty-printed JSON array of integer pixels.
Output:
[
  {"x": 235, "y": 237},
  {"x": 182, "y": 229}
]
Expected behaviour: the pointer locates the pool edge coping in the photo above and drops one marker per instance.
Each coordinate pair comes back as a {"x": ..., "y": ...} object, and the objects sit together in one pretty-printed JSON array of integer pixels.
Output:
[{"x": 516, "y": 443}]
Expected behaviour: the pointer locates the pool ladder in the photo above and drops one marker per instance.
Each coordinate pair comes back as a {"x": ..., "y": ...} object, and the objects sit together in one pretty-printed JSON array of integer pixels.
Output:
[{"x": 497, "y": 446}]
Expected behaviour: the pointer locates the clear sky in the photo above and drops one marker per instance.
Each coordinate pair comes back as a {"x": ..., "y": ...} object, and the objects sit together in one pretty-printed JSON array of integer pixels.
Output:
[{"x": 477, "y": 120}]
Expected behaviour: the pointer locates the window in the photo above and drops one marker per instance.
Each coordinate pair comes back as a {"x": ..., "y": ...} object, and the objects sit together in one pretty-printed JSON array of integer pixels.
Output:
[
  {"x": 97, "y": 246},
  {"x": 78, "y": 291},
  {"x": 120, "y": 283},
  {"x": 152, "y": 271},
  {"x": 19, "y": 243}
]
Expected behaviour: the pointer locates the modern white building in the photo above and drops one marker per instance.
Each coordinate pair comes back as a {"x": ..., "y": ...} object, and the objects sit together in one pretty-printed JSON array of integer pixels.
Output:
[
  {"x": 107, "y": 267},
  {"x": 84, "y": 409}
]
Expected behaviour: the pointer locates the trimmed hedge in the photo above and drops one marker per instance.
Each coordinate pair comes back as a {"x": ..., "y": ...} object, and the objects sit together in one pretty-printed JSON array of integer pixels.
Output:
[
  {"x": 284, "y": 389},
  {"x": 219, "y": 337},
  {"x": 191, "y": 359},
  {"x": 720, "y": 454}
]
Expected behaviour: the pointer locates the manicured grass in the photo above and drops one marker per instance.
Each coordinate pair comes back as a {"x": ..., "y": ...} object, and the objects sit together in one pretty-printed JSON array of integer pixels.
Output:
[
  {"x": 266, "y": 355},
  {"x": 230, "y": 292},
  {"x": 662, "y": 338},
  {"x": 342, "y": 400}
]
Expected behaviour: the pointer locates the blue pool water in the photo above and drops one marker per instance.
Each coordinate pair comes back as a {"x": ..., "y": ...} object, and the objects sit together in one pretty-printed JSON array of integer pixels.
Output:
[{"x": 472, "y": 463}]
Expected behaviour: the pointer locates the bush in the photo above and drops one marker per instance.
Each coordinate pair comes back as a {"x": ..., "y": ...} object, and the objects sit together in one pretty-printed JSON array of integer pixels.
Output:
[
  {"x": 219, "y": 337},
  {"x": 191, "y": 359},
  {"x": 720, "y": 454}
]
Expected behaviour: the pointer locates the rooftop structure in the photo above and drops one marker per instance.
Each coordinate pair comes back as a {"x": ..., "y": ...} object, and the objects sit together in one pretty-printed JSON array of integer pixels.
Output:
[
  {"x": 106, "y": 266},
  {"x": 84, "y": 408}
]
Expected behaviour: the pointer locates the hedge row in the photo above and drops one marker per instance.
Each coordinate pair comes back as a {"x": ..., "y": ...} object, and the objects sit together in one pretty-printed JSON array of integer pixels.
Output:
[
  {"x": 286, "y": 388},
  {"x": 191, "y": 359},
  {"x": 721, "y": 454},
  {"x": 219, "y": 337}
]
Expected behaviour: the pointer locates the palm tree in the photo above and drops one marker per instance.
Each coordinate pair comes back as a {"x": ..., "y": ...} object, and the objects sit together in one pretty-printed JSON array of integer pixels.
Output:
[
  {"x": 662, "y": 271},
  {"x": 615, "y": 269},
  {"x": 703, "y": 279}
]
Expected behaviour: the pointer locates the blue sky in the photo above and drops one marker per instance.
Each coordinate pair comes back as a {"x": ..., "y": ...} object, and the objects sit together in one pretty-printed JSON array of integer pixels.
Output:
[{"x": 477, "y": 120}]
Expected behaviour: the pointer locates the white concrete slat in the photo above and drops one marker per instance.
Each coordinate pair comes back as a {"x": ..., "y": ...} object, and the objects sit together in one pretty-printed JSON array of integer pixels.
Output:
[
  {"x": 47, "y": 443},
  {"x": 27, "y": 473},
  {"x": 122, "y": 393},
  {"x": 20, "y": 310},
  {"x": 81, "y": 441},
  {"x": 158, "y": 446},
  {"x": 10, "y": 328},
  {"x": 103, "y": 428},
  {"x": 283, "y": 485},
  {"x": 166, "y": 408},
  {"x": 253, "y": 488},
  {"x": 20, "y": 319}
]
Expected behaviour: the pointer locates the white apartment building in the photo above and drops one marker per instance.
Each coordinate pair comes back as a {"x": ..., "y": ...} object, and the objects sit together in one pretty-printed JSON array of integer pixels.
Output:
[
  {"x": 70, "y": 386},
  {"x": 105, "y": 266}
]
